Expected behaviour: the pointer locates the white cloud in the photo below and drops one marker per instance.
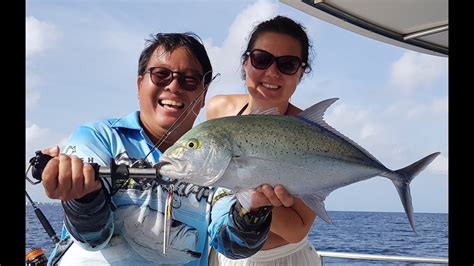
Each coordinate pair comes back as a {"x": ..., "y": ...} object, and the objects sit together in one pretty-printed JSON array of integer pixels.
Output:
[
  {"x": 354, "y": 119},
  {"x": 435, "y": 108},
  {"x": 38, "y": 138},
  {"x": 35, "y": 136},
  {"x": 35, "y": 133},
  {"x": 32, "y": 94},
  {"x": 39, "y": 36},
  {"x": 416, "y": 110},
  {"x": 383, "y": 133},
  {"x": 415, "y": 70}
]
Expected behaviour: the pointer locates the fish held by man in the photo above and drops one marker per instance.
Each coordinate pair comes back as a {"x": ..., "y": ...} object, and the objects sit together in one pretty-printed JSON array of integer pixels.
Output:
[{"x": 303, "y": 153}]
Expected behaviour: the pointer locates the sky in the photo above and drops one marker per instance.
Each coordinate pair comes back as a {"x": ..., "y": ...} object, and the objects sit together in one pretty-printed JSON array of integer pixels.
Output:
[{"x": 82, "y": 60}]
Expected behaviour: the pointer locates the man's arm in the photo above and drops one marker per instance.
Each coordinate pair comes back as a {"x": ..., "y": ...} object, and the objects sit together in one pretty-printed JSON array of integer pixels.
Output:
[
  {"x": 234, "y": 232},
  {"x": 88, "y": 215}
]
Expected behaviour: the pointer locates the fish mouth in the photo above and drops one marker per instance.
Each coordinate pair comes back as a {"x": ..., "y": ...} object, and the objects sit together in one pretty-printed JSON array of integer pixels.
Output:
[
  {"x": 160, "y": 164},
  {"x": 172, "y": 169}
]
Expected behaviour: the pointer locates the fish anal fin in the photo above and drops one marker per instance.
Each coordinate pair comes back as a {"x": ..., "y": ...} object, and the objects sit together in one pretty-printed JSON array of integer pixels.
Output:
[{"x": 316, "y": 203}]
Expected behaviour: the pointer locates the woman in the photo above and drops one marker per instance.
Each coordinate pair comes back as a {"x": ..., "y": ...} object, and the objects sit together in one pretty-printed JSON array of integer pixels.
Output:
[{"x": 273, "y": 64}]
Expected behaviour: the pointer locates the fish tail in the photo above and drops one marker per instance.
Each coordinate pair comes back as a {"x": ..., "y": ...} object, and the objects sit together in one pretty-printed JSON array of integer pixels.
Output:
[{"x": 402, "y": 178}]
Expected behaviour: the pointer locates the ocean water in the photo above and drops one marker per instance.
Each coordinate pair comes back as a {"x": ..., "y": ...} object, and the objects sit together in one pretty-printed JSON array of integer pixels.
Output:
[{"x": 382, "y": 233}]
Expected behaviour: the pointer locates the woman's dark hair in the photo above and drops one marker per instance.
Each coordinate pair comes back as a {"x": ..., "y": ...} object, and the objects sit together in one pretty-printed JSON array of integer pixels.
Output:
[
  {"x": 283, "y": 25},
  {"x": 171, "y": 41}
]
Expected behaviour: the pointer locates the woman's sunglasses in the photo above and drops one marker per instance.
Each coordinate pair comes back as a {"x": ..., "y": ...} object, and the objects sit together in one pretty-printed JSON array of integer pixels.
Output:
[
  {"x": 287, "y": 64},
  {"x": 162, "y": 76}
]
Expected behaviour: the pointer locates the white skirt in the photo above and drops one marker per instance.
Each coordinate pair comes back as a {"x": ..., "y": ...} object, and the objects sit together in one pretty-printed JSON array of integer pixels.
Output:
[{"x": 301, "y": 253}]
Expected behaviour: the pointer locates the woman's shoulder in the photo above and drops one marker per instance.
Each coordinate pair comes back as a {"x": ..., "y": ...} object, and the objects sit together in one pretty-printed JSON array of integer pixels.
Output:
[
  {"x": 225, "y": 105},
  {"x": 229, "y": 98}
]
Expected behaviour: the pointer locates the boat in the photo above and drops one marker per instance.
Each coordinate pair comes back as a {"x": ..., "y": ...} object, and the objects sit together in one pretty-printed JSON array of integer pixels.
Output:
[{"x": 417, "y": 25}]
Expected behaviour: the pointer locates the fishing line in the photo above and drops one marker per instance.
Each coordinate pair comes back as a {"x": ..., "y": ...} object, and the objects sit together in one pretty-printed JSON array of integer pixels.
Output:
[{"x": 182, "y": 117}]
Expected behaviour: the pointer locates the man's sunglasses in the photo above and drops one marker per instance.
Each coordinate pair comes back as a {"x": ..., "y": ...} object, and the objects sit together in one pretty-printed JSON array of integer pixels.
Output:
[
  {"x": 162, "y": 76},
  {"x": 287, "y": 64}
]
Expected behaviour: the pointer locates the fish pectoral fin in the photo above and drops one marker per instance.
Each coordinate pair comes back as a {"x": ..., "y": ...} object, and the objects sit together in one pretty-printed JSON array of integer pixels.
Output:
[
  {"x": 245, "y": 198},
  {"x": 316, "y": 203}
]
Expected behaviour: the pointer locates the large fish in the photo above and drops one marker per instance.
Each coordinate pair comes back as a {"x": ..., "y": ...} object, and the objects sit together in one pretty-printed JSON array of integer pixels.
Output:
[{"x": 303, "y": 153}]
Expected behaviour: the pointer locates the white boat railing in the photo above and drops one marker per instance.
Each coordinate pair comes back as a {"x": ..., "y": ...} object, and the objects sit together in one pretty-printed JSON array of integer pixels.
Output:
[{"x": 359, "y": 256}]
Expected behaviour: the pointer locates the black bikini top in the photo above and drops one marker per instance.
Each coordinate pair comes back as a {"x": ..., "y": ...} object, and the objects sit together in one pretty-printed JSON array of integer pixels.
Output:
[
  {"x": 247, "y": 104},
  {"x": 243, "y": 109}
]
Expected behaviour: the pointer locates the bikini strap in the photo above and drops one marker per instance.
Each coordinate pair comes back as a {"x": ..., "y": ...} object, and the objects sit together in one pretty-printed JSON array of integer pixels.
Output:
[{"x": 243, "y": 109}]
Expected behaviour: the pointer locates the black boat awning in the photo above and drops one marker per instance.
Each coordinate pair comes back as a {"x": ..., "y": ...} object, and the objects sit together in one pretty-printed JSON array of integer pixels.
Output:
[{"x": 418, "y": 25}]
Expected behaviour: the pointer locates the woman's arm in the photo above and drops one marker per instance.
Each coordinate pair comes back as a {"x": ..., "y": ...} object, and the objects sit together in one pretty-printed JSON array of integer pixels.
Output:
[
  {"x": 299, "y": 216},
  {"x": 291, "y": 219}
]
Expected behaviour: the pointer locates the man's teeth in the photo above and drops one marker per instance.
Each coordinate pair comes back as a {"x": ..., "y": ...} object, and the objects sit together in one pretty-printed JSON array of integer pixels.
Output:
[
  {"x": 172, "y": 103},
  {"x": 270, "y": 86}
]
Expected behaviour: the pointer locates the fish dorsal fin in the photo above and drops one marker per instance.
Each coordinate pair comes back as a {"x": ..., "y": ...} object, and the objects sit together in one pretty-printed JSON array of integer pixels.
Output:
[
  {"x": 315, "y": 114},
  {"x": 271, "y": 111}
]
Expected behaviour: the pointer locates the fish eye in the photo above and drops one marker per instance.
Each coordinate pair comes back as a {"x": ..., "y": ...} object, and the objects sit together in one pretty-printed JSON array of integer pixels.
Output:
[{"x": 193, "y": 143}]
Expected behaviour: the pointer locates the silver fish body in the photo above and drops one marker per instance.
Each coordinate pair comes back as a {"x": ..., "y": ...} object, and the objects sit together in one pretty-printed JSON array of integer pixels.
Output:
[
  {"x": 303, "y": 153},
  {"x": 283, "y": 150}
]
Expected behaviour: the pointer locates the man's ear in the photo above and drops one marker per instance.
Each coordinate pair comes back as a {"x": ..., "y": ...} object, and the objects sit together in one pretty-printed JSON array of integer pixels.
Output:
[
  {"x": 139, "y": 85},
  {"x": 139, "y": 82}
]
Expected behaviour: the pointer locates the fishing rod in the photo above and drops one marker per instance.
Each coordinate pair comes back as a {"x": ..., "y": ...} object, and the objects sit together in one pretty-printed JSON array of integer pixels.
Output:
[
  {"x": 46, "y": 225},
  {"x": 36, "y": 256}
]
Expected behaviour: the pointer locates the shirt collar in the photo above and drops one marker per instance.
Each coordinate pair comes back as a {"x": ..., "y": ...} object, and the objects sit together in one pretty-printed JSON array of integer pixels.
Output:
[{"x": 131, "y": 121}]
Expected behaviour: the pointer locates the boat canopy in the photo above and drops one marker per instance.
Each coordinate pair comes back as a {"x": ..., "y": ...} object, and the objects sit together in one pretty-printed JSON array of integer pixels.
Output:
[{"x": 418, "y": 25}]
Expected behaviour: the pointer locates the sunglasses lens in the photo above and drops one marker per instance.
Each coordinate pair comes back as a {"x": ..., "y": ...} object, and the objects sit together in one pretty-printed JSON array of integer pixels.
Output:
[
  {"x": 190, "y": 82},
  {"x": 261, "y": 59},
  {"x": 288, "y": 64},
  {"x": 161, "y": 76}
]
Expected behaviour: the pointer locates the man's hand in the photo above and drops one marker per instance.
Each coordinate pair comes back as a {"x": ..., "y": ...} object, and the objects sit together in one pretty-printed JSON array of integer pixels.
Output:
[{"x": 66, "y": 177}]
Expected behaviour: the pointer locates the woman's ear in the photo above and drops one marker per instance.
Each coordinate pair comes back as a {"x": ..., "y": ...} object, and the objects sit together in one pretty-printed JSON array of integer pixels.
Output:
[{"x": 301, "y": 77}]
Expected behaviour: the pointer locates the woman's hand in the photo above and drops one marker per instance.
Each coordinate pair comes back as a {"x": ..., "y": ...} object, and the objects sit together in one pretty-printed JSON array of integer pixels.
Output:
[
  {"x": 288, "y": 210},
  {"x": 267, "y": 195}
]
